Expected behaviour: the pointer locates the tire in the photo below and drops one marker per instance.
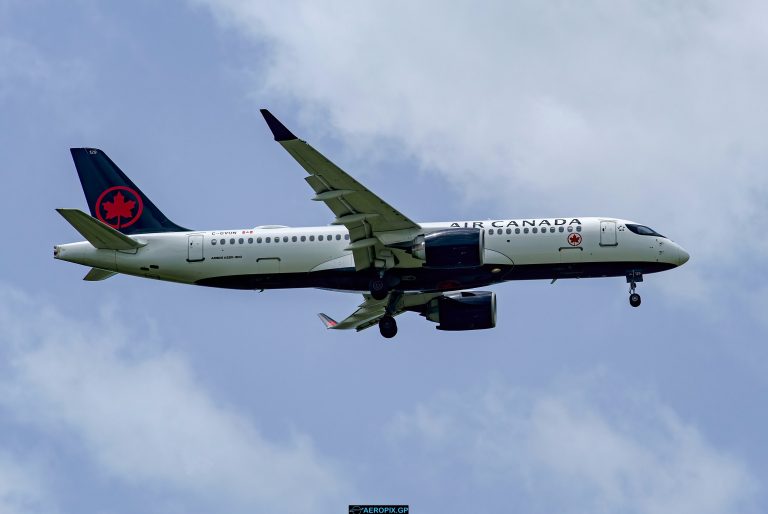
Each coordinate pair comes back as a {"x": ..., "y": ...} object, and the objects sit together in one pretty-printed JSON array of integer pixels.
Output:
[
  {"x": 634, "y": 300},
  {"x": 378, "y": 289},
  {"x": 388, "y": 326}
]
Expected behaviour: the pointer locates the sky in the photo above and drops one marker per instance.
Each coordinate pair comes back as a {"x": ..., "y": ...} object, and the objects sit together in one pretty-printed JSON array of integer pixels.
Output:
[{"x": 130, "y": 395}]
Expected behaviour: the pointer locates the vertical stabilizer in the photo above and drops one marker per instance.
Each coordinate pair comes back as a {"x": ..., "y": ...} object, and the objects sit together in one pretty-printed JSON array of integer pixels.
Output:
[{"x": 114, "y": 199}]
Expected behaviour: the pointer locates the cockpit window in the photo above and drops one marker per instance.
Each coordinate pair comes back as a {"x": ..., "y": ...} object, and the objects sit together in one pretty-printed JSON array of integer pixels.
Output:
[{"x": 642, "y": 230}]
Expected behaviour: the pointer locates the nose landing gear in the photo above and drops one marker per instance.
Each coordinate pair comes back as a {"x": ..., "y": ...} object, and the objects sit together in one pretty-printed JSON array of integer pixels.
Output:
[{"x": 632, "y": 278}]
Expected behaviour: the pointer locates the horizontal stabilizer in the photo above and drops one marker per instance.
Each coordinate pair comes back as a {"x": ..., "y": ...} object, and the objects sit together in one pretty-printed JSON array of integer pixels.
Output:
[
  {"x": 97, "y": 274},
  {"x": 100, "y": 235},
  {"x": 328, "y": 321}
]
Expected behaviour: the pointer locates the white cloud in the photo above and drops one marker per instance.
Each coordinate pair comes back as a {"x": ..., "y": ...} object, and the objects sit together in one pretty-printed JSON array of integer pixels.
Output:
[
  {"x": 650, "y": 111},
  {"x": 21, "y": 491},
  {"x": 24, "y": 67},
  {"x": 144, "y": 419},
  {"x": 574, "y": 454}
]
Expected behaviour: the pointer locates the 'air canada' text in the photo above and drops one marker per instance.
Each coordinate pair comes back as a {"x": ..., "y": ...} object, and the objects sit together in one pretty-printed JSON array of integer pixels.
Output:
[{"x": 515, "y": 223}]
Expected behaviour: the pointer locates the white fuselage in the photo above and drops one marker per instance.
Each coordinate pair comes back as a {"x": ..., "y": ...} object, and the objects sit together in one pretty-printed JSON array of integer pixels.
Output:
[{"x": 267, "y": 257}]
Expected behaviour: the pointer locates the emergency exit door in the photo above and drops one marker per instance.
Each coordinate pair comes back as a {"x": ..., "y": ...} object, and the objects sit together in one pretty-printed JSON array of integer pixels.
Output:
[
  {"x": 194, "y": 248},
  {"x": 608, "y": 233}
]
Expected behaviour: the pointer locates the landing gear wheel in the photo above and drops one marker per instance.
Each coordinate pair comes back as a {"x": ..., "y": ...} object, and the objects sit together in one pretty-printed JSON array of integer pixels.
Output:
[
  {"x": 378, "y": 288},
  {"x": 388, "y": 326},
  {"x": 633, "y": 277}
]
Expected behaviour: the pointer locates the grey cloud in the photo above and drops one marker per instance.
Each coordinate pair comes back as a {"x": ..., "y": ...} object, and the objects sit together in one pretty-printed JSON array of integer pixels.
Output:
[
  {"x": 22, "y": 488},
  {"x": 575, "y": 453},
  {"x": 142, "y": 416}
]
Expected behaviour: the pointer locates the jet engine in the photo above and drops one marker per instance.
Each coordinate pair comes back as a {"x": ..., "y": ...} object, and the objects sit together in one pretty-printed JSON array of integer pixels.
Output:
[
  {"x": 453, "y": 248},
  {"x": 465, "y": 310}
]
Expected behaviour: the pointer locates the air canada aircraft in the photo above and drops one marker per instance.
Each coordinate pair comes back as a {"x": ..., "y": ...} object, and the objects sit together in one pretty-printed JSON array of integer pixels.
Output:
[{"x": 370, "y": 247}]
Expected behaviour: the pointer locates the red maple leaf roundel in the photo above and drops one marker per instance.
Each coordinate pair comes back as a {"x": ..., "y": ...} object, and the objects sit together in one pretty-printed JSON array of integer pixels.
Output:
[
  {"x": 118, "y": 211},
  {"x": 118, "y": 208},
  {"x": 574, "y": 239}
]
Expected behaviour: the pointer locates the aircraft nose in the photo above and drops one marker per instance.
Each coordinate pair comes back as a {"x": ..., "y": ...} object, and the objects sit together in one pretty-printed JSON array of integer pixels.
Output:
[{"x": 682, "y": 256}]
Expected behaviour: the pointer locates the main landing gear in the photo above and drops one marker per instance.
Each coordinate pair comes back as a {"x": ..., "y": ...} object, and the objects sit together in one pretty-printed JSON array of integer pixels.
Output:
[
  {"x": 387, "y": 323},
  {"x": 388, "y": 326},
  {"x": 632, "y": 278},
  {"x": 378, "y": 288},
  {"x": 381, "y": 285}
]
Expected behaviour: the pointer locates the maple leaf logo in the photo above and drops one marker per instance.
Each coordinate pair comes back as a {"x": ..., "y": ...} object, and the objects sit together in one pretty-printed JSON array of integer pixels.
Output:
[
  {"x": 122, "y": 210},
  {"x": 119, "y": 208},
  {"x": 574, "y": 239}
]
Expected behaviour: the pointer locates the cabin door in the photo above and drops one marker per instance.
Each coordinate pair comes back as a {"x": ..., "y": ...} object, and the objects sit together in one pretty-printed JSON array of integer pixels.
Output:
[
  {"x": 608, "y": 233},
  {"x": 194, "y": 248}
]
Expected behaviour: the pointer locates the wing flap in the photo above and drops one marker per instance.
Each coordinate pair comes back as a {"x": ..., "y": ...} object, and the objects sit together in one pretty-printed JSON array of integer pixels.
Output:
[{"x": 329, "y": 178}]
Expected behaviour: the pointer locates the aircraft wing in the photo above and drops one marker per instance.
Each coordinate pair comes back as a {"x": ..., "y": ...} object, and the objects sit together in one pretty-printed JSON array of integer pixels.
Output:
[
  {"x": 364, "y": 214},
  {"x": 370, "y": 311}
]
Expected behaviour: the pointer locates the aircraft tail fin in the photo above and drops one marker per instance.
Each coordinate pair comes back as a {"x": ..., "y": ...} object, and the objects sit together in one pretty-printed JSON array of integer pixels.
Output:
[
  {"x": 114, "y": 199},
  {"x": 99, "y": 234}
]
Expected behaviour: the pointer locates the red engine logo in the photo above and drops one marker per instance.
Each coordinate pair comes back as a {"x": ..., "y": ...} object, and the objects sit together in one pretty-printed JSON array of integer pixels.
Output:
[
  {"x": 119, "y": 207},
  {"x": 574, "y": 239}
]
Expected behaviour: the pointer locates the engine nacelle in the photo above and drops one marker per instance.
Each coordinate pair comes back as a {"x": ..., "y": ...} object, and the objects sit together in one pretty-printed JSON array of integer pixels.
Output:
[
  {"x": 452, "y": 248},
  {"x": 465, "y": 310}
]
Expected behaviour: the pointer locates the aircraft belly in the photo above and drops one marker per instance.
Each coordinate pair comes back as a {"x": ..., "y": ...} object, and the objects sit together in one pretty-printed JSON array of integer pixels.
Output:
[{"x": 426, "y": 280}]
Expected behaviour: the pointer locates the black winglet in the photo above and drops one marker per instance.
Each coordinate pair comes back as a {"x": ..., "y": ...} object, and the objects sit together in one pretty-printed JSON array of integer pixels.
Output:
[{"x": 279, "y": 130}]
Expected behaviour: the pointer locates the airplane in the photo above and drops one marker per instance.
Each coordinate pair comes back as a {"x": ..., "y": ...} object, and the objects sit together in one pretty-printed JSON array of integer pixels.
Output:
[{"x": 370, "y": 247}]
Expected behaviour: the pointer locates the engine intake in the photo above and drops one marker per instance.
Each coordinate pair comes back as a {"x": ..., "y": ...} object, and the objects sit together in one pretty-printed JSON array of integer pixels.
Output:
[
  {"x": 465, "y": 310},
  {"x": 454, "y": 248}
]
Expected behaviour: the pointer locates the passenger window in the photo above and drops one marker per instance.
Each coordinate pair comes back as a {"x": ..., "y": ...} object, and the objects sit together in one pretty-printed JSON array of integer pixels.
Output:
[
  {"x": 268, "y": 240},
  {"x": 319, "y": 238},
  {"x": 517, "y": 231},
  {"x": 303, "y": 238},
  {"x": 346, "y": 236},
  {"x": 570, "y": 228},
  {"x": 490, "y": 231},
  {"x": 294, "y": 239},
  {"x": 329, "y": 238},
  {"x": 562, "y": 229},
  {"x": 525, "y": 230},
  {"x": 232, "y": 241},
  {"x": 213, "y": 241},
  {"x": 258, "y": 240},
  {"x": 552, "y": 230},
  {"x": 578, "y": 228},
  {"x": 222, "y": 241},
  {"x": 250, "y": 240},
  {"x": 311, "y": 238},
  {"x": 509, "y": 231},
  {"x": 338, "y": 237},
  {"x": 535, "y": 230},
  {"x": 240, "y": 241}
]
